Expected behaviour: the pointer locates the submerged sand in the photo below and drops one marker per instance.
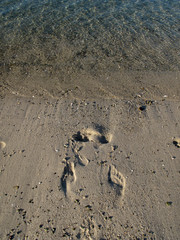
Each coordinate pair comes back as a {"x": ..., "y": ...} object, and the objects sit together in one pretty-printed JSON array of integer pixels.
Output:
[{"x": 89, "y": 169}]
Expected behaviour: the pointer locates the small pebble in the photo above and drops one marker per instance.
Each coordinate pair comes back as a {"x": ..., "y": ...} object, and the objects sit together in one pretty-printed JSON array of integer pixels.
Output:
[{"x": 168, "y": 203}]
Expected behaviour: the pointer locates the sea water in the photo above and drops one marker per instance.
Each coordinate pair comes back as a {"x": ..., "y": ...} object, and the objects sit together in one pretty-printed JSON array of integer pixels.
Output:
[{"x": 61, "y": 39}]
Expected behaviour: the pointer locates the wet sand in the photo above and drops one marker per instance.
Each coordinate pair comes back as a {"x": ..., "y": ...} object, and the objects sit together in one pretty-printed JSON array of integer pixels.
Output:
[
  {"x": 146, "y": 85},
  {"x": 97, "y": 166}
]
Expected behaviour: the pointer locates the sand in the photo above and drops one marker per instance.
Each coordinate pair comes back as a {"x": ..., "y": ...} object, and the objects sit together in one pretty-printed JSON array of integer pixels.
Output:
[{"x": 89, "y": 169}]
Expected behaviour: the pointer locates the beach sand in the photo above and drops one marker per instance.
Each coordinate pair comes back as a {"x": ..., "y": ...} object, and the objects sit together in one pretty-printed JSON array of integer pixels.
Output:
[{"x": 73, "y": 168}]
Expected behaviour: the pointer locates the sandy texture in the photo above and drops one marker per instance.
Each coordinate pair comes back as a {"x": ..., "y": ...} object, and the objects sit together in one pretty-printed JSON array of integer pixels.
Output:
[
  {"x": 108, "y": 85},
  {"x": 102, "y": 169}
]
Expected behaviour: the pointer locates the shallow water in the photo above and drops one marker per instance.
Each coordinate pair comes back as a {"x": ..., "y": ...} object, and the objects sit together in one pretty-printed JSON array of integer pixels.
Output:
[{"x": 60, "y": 39}]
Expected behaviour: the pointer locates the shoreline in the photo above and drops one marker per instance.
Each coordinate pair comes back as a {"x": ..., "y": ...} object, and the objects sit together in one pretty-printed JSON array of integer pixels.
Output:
[{"x": 118, "y": 85}]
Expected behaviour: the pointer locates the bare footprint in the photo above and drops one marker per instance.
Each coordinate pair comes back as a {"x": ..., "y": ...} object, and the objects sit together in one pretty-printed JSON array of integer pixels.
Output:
[
  {"x": 84, "y": 136},
  {"x": 117, "y": 180},
  {"x": 92, "y": 135},
  {"x": 82, "y": 160},
  {"x": 88, "y": 230},
  {"x": 68, "y": 177}
]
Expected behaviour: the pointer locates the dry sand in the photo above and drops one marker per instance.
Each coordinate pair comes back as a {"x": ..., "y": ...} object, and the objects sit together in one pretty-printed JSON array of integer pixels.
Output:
[{"x": 101, "y": 169}]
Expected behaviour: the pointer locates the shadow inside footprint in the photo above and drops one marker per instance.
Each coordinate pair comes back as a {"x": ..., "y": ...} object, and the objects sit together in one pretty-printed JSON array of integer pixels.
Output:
[
  {"x": 80, "y": 137},
  {"x": 102, "y": 139},
  {"x": 90, "y": 135}
]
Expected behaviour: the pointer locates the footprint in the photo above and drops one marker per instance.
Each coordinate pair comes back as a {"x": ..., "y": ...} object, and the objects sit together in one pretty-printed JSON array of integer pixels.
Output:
[
  {"x": 84, "y": 136},
  {"x": 80, "y": 137},
  {"x": 88, "y": 230},
  {"x": 117, "y": 180},
  {"x": 92, "y": 135},
  {"x": 82, "y": 160},
  {"x": 68, "y": 177}
]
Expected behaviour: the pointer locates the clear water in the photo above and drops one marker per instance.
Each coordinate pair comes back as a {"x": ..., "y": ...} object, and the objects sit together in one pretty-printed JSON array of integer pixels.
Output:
[{"x": 72, "y": 36}]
